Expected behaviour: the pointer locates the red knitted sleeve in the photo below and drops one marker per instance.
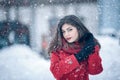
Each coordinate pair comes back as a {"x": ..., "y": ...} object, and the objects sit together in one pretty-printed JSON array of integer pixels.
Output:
[{"x": 94, "y": 62}]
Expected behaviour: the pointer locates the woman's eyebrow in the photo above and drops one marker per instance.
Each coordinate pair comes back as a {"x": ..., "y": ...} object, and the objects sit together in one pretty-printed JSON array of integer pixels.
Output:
[{"x": 68, "y": 28}]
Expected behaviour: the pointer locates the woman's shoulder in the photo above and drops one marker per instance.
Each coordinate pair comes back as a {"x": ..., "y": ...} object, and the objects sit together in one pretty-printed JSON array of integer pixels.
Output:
[{"x": 56, "y": 52}]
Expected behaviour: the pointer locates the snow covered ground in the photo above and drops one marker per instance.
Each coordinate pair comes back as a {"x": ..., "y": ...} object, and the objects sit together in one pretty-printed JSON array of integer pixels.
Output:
[{"x": 19, "y": 62}]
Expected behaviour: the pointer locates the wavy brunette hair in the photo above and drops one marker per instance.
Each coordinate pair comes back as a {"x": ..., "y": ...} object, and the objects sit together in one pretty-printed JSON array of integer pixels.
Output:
[{"x": 57, "y": 41}]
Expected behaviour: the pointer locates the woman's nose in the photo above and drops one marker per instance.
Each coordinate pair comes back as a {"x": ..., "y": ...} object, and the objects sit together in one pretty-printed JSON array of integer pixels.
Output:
[{"x": 66, "y": 34}]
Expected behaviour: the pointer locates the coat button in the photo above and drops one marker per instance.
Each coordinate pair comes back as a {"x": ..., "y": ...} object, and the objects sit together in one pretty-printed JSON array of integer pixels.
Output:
[
  {"x": 70, "y": 62},
  {"x": 93, "y": 65}
]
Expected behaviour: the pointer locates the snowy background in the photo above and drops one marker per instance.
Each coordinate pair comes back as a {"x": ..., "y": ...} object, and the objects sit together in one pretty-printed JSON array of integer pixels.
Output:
[{"x": 19, "y": 62}]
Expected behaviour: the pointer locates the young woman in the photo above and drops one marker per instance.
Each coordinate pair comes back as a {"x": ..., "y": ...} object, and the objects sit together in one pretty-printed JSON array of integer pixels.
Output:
[{"x": 74, "y": 52}]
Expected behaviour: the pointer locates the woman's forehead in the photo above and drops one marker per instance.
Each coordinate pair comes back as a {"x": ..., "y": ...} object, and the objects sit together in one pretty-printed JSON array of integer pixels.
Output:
[{"x": 67, "y": 26}]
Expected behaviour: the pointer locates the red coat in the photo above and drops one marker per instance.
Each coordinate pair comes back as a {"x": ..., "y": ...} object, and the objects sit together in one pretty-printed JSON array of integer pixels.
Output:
[{"x": 66, "y": 67}]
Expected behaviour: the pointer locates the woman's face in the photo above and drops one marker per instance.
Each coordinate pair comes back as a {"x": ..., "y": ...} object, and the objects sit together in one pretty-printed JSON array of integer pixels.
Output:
[{"x": 70, "y": 33}]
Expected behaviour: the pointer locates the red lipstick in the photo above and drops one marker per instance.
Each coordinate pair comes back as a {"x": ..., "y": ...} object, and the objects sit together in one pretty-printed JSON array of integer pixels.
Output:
[{"x": 68, "y": 38}]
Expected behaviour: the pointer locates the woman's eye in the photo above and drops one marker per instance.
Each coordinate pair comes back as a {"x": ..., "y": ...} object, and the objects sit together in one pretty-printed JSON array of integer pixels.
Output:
[
  {"x": 69, "y": 29},
  {"x": 63, "y": 31}
]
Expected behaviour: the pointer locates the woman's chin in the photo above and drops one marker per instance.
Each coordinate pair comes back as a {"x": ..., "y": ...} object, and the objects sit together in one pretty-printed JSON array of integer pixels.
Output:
[{"x": 70, "y": 41}]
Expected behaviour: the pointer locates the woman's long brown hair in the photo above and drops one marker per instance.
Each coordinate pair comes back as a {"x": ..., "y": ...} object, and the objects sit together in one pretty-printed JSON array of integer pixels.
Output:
[{"x": 56, "y": 42}]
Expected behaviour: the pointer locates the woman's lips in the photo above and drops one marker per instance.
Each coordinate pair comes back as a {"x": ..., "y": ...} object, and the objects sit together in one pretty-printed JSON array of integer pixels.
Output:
[{"x": 68, "y": 38}]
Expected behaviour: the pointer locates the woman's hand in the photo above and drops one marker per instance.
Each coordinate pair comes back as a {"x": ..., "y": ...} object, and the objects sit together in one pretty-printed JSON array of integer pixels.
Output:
[
  {"x": 88, "y": 47},
  {"x": 87, "y": 37}
]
